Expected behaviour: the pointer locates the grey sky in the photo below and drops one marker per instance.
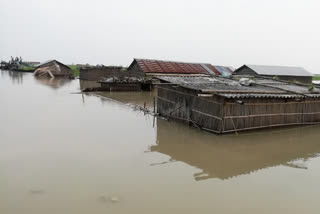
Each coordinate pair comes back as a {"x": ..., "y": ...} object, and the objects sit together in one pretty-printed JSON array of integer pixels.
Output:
[{"x": 112, "y": 32}]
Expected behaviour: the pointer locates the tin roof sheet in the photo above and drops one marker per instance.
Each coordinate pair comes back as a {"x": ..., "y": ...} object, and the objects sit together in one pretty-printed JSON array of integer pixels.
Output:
[
  {"x": 279, "y": 70},
  {"x": 159, "y": 66},
  {"x": 286, "y": 86},
  {"x": 229, "y": 88},
  {"x": 237, "y": 96}
]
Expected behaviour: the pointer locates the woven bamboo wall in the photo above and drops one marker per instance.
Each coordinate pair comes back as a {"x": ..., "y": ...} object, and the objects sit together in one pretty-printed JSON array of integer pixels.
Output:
[
  {"x": 258, "y": 113},
  {"x": 184, "y": 105}
]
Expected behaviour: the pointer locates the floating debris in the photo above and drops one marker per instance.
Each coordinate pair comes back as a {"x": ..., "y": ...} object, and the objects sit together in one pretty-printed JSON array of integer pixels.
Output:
[
  {"x": 36, "y": 191},
  {"x": 114, "y": 199}
]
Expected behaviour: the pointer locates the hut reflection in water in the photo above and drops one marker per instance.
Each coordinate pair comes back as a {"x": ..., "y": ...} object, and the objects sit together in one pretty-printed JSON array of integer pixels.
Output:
[{"x": 228, "y": 156}]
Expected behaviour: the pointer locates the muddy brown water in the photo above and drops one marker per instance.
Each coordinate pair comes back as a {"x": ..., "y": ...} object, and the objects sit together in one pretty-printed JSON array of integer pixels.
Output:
[{"x": 64, "y": 152}]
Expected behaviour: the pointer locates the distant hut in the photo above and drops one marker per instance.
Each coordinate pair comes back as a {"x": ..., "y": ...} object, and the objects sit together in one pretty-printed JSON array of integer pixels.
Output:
[
  {"x": 53, "y": 68},
  {"x": 224, "y": 105},
  {"x": 295, "y": 74},
  {"x": 158, "y": 67}
]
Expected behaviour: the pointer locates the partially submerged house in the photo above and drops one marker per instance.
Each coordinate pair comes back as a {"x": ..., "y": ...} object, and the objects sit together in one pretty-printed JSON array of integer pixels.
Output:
[
  {"x": 111, "y": 78},
  {"x": 158, "y": 67},
  {"x": 53, "y": 68},
  {"x": 295, "y": 74},
  {"x": 141, "y": 74},
  {"x": 224, "y": 105},
  {"x": 126, "y": 83},
  {"x": 97, "y": 73}
]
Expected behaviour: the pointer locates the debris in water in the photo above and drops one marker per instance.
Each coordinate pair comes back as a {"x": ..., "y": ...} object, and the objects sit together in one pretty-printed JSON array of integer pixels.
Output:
[
  {"x": 104, "y": 199},
  {"x": 36, "y": 191},
  {"x": 114, "y": 199}
]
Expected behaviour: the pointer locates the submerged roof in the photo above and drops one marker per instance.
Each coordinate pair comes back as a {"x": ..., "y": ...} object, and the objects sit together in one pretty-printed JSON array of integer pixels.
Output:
[
  {"x": 229, "y": 88},
  {"x": 159, "y": 66},
  {"x": 49, "y": 61},
  {"x": 278, "y": 70}
]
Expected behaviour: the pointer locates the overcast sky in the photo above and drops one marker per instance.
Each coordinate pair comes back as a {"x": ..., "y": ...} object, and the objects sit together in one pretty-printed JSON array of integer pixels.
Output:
[{"x": 113, "y": 32}]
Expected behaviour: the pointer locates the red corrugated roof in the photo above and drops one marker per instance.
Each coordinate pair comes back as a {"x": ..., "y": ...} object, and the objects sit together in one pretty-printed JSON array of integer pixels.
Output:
[{"x": 158, "y": 66}]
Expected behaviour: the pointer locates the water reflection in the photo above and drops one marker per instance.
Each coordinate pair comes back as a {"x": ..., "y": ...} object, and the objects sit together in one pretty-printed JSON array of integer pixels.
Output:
[
  {"x": 224, "y": 157},
  {"x": 54, "y": 83},
  {"x": 134, "y": 98},
  {"x": 88, "y": 84},
  {"x": 15, "y": 76}
]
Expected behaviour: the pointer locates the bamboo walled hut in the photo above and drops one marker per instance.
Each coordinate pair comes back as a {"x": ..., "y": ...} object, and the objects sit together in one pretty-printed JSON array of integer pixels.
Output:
[
  {"x": 224, "y": 105},
  {"x": 295, "y": 74},
  {"x": 53, "y": 68}
]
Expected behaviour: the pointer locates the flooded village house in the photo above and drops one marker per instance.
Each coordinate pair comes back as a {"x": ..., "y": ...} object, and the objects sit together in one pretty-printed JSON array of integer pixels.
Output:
[
  {"x": 294, "y": 74},
  {"x": 53, "y": 68},
  {"x": 97, "y": 73},
  {"x": 222, "y": 105},
  {"x": 141, "y": 72},
  {"x": 167, "y": 68},
  {"x": 112, "y": 78}
]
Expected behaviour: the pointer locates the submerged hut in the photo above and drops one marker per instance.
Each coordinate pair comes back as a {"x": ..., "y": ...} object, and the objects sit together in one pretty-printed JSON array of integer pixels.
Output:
[
  {"x": 224, "y": 105},
  {"x": 294, "y": 74},
  {"x": 53, "y": 68},
  {"x": 152, "y": 67},
  {"x": 111, "y": 78},
  {"x": 97, "y": 73}
]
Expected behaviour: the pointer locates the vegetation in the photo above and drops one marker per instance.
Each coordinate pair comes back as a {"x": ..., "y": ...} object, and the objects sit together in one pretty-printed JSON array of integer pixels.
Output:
[
  {"x": 123, "y": 69},
  {"x": 311, "y": 87},
  {"x": 26, "y": 68},
  {"x": 75, "y": 69},
  {"x": 316, "y": 77},
  {"x": 236, "y": 78}
]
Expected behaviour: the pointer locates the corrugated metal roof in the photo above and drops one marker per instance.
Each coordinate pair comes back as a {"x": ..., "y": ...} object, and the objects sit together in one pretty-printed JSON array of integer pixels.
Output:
[
  {"x": 261, "y": 87},
  {"x": 217, "y": 85},
  {"x": 286, "y": 86},
  {"x": 159, "y": 66},
  {"x": 279, "y": 70},
  {"x": 238, "y": 96}
]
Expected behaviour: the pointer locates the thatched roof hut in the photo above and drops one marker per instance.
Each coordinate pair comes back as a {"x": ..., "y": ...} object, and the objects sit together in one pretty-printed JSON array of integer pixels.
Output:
[{"x": 53, "y": 68}]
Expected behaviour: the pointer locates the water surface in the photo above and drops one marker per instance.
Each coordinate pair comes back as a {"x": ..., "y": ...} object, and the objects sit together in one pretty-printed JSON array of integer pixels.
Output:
[{"x": 66, "y": 152}]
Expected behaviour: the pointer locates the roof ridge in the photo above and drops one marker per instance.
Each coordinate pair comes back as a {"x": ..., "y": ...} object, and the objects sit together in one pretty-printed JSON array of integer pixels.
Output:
[
  {"x": 284, "y": 66},
  {"x": 175, "y": 61}
]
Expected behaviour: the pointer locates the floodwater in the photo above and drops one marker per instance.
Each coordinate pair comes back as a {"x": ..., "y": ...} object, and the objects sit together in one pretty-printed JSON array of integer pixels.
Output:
[{"x": 66, "y": 152}]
